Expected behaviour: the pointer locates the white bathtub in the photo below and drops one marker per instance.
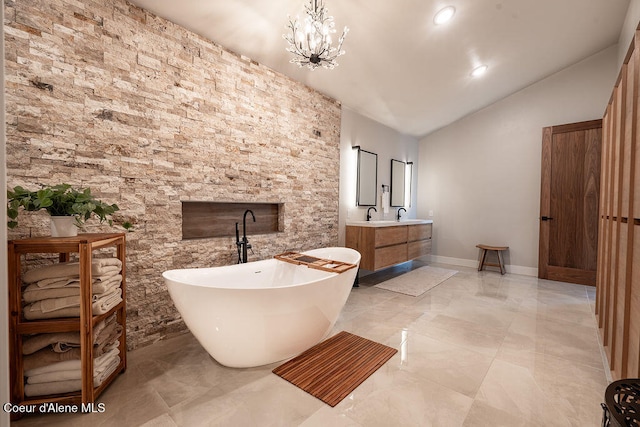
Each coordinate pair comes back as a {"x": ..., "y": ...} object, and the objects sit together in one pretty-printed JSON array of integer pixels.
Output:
[{"x": 261, "y": 312}]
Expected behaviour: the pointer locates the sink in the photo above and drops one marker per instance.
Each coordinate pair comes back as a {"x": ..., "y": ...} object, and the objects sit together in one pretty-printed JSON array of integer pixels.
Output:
[
  {"x": 389, "y": 222},
  {"x": 415, "y": 221},
  {"x": 373, "y": 223}
]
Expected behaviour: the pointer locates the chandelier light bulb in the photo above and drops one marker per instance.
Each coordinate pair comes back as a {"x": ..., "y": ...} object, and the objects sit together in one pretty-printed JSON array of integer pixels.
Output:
[{"x": 313, "y": 46}]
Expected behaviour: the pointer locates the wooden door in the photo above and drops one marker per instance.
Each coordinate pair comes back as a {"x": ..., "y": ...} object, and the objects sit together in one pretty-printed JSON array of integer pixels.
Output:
[{"x": 569, "y": 200}]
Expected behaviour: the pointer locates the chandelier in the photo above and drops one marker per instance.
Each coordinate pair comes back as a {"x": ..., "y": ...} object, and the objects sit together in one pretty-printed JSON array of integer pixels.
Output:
[{"x": 310, "y": 43}]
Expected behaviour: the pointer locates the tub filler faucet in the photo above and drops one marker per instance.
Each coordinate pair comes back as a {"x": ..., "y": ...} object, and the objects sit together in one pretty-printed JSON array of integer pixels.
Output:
[
  {"x": 243, "y": 244},
  {"x": 401, "y": 209}
]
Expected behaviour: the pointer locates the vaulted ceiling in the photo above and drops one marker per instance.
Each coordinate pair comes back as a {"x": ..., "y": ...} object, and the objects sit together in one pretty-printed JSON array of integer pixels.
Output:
[{"x": 401, "y": 69}]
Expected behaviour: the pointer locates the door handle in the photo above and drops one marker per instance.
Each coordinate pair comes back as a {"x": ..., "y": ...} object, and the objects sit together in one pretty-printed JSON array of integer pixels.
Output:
[{"x": 545, "y": 218}]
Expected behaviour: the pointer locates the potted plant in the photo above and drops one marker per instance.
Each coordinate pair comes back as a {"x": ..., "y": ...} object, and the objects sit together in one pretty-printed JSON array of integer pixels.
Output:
[{"x": 72, "y": 205}]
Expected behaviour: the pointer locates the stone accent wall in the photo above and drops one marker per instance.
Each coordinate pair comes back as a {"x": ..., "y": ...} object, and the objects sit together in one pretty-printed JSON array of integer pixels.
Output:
[{"x": 147, "y": 114}]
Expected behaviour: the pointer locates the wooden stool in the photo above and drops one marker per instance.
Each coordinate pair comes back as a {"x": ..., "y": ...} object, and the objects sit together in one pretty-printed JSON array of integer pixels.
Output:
[{"x": 498, "y": 250}]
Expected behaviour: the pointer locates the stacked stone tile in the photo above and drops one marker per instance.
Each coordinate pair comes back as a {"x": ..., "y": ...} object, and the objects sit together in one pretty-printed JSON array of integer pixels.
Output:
[{"x": 148, "y": 114}]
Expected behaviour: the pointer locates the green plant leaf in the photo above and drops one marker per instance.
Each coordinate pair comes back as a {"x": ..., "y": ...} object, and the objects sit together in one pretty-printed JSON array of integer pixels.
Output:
[
  {"x": 12, "y": 213},
  {"x": 58, "y": 200}
]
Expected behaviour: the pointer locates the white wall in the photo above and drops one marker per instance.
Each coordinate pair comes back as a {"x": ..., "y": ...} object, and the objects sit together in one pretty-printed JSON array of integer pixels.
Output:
[
  {"x": 4, "y": 303},
  {"x": 628, "y": 29},
  {"x": 481, "y": 174},
  {"x": 387, "y": 144}
]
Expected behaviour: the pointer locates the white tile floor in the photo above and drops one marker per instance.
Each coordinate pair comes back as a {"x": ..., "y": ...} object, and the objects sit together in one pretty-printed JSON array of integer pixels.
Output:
[{"x": 480, "y": 349}]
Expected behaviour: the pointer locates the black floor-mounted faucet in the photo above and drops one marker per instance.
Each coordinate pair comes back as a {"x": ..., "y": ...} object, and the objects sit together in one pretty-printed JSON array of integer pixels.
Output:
[
  {"x": 369, "y": 212},
  {"x": 243, "y": 244},
  {"x": 401, "y": 209}
]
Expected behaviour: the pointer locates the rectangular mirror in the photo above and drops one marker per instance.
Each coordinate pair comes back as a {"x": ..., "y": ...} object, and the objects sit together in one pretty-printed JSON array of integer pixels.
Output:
[
  {"x": 409, "y": 184},
  {"x": 397, "y": 182},
  {"x": 367, "y": 189}
]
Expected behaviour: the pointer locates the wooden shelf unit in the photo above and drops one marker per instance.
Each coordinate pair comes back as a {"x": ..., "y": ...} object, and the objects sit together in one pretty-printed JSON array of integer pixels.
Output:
[{"x": 84, "y": 245}]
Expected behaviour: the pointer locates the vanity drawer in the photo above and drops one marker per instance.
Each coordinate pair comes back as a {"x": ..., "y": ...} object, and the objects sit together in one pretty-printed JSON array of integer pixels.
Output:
[
  {"x": 390, "y": 255},
  {"x": 388, "y": 236},
  {"x": 418, "y": 249},
  {"x": 419, "y": 232}
]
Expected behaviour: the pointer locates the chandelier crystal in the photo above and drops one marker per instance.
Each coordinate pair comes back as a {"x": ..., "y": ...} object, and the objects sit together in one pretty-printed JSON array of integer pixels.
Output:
[{"x": 310, "y": 42}]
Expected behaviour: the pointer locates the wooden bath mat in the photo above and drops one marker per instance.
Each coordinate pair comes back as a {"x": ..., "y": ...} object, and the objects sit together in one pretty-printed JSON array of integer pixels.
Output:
[
  {"x": 313, "y": 262},
  {"x": 335, "y": 367}
]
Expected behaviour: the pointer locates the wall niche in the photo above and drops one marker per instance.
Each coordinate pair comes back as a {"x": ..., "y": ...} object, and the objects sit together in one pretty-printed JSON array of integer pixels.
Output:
[{"x": 218, "y": 219}]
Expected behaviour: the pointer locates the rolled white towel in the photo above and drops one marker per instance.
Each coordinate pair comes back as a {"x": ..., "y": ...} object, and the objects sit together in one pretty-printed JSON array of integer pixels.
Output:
[
  {"x": 67, "y": 386},
  {"x": 58, "y": 282},
  {"x": 72, "y": 374},
  {"x": 54, "y": 387},
  {"x": 99, "y": 372},
  {"x": 99, "y": 266},
  {"x": 107, "y": 302},
  {"x": 69, "y": 339},
  {"x": 106, "y": 289},
  {"x": 102, "y": 284},
  {"x": 35, "y": 311},
  {"x": 33, "y": 293},
  {"x": 74, "y": 280},
  {"x": 53, "y": 304},
  {"x": 68, "y": 365},
  {"x": 40, "y": 341}
]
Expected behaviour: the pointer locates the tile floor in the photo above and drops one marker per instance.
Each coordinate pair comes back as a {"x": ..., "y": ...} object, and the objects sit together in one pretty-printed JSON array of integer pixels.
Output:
[{"x": 480, "y": 349}]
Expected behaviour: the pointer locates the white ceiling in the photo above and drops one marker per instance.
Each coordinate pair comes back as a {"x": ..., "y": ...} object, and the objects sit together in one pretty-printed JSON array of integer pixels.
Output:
[{"x": 402, "y": 70}]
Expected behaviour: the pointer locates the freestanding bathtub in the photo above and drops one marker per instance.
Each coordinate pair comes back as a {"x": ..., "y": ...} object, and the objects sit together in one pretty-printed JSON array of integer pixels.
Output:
[{"x": 261, "y": 312}]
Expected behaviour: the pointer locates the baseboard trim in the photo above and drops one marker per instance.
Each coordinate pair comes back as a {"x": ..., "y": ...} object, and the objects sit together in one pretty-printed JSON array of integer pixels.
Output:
[
  {"x": 603, "y": 353},
  {"x": 513, "y": 269},
  {"x": 453, "y": 261}
]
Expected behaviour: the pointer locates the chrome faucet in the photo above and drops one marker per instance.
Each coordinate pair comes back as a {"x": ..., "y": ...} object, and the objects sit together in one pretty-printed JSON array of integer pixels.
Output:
[
  {"x": 369, "y": 212},
  {"x": 243, "y": 244},
  {"x": 401, "y": 209}
]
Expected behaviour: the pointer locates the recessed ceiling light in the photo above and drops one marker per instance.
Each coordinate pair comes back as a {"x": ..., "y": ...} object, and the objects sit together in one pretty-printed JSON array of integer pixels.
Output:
[
  {"x": 444, "y": 15},
  {"x": 478, "y": 71}
]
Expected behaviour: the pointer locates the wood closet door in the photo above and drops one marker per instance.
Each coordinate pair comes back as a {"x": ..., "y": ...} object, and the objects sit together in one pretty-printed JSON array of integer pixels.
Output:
[{"x": 569, "y": 199}]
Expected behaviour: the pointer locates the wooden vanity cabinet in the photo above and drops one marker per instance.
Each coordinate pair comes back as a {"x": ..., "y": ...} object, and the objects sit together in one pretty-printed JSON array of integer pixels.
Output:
[
  {"x": 382, "y": 247},
  {"x": 419, "y": 240}
]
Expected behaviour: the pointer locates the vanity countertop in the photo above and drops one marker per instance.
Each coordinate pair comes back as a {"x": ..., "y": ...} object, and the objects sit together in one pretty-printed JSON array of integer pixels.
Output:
[{"x": 389, "y": 223}]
